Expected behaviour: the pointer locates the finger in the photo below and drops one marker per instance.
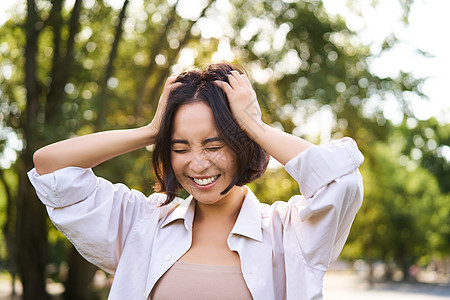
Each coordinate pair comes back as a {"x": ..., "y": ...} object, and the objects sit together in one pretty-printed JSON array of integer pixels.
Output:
[
  {"x": 242, "y": 79},
  {"x": 171, "y": 79},
  {"x": 246, "y": 80},
  {"x": 236, "y": 75},
  {"x": 169, "y": 86},
  {"x": 233, "y": 81},
  {"x": 224, "y": 86},
  {"x": 175, "y": 85}
]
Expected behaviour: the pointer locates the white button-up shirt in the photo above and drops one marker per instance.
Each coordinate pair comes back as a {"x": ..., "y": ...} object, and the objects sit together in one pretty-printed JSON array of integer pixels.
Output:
[{"x": 284, "y": 248}]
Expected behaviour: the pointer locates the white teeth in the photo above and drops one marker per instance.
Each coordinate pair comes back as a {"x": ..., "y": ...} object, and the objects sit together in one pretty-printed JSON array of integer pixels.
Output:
[{"x": 205, "y": 181}]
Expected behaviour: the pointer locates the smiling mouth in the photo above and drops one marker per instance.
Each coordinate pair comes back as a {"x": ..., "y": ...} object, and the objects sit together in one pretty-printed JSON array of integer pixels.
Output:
[{"x": 205, "y": 181}]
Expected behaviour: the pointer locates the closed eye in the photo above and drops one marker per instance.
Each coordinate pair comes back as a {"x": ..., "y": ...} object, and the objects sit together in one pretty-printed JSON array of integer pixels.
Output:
[
  {"x": 213, "y": 149},
  {"x": 180, "y": 151}
]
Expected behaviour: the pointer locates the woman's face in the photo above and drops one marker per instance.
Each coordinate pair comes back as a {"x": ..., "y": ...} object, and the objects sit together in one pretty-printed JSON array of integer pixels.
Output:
[{"x": 203, "y": 164}]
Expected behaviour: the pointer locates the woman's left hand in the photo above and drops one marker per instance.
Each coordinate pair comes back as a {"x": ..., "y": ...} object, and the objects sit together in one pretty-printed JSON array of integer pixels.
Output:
[
  {"x": 244, "y": 107},
  {"x": 242, "y": 99}
]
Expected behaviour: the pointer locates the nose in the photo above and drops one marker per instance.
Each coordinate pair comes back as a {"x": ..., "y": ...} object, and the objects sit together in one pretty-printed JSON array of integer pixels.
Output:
[{"x": 199, "y": 162}]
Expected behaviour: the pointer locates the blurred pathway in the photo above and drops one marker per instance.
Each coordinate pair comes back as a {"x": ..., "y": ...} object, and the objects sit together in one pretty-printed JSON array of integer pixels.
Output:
[{"x": 343, "y": 285}]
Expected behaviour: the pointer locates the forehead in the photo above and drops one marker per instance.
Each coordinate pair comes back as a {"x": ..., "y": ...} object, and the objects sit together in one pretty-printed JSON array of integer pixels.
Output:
[{"x": 194, "y": 122}]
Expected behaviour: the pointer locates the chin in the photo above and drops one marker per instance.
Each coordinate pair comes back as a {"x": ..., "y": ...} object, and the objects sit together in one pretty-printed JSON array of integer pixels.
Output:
[{"x": 201, "y": 197}]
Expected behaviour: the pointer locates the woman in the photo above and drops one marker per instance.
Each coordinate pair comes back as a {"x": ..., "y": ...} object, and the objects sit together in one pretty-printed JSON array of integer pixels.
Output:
[{"x": 221, "y": 242}]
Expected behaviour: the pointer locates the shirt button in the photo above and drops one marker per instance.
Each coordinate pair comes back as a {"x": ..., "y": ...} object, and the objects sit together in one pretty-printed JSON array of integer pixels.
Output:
[{"x": 168, "y": 257}]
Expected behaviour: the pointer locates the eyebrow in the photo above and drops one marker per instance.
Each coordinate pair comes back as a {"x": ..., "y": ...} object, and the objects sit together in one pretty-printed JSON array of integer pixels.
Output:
[
  {"x": 179, "y": 142},
  {"x": 214, "y": 139},
  {"x": 206, "y": 141}
]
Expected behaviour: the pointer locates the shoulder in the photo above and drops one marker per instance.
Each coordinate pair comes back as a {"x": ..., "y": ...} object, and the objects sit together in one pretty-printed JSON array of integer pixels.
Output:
[
  {"x": 157, "y": 201},
  {"x": 281, "y": 209}
]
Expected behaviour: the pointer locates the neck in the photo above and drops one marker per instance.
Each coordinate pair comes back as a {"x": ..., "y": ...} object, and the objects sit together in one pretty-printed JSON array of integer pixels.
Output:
[{"x": 226, "y": 210}]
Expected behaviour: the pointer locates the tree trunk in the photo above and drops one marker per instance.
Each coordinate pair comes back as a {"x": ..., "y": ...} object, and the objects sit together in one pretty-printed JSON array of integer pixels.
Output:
[
  {"x": 79, "y": 281},
  {"x": 31, "y": 239},
  {"x": 154, "y": 50},
  {"x": 62, "y": 66},
  {"x": 370, "y": 275},
  {"x": 8, "y": 232},
  {"x": 31, "y": 231},
  {"x": 56, "y": 22},
  {"x": 80, "y": 272},
  {"x": 102, "y": 97},
  {"x": 404, "y": 266}
]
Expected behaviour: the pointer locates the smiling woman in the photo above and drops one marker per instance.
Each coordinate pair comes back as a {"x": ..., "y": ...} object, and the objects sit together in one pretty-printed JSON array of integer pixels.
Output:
[
  {"x": 202, "y": 163},
  {"x": 220, "y": 242},
  {"x": 210, "y": 118}
]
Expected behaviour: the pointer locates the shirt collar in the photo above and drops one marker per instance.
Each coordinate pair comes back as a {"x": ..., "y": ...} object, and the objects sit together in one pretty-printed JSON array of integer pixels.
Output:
[
  {"x": 183, "y": 211},
  {"x": 248, "y": 222}
]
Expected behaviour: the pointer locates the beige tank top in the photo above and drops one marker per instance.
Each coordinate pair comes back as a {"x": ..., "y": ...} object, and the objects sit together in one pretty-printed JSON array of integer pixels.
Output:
[{"x": 195, "y": 281}]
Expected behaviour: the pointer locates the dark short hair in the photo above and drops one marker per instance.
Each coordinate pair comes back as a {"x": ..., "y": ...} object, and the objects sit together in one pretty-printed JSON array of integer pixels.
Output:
[{"x": 198, "y": 86}]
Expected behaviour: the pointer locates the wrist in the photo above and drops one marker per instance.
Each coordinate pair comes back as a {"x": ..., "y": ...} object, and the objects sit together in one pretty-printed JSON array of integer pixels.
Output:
[
  {"x": 149, "y": 134},
  {"x": 254, "y": 128}
]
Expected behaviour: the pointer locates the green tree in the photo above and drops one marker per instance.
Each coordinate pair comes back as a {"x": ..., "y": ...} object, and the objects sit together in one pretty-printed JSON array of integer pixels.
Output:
[{"x": 400, "y": 199}]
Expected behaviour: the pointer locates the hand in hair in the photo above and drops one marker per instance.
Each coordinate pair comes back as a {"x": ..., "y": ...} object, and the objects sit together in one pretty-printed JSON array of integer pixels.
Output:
[
  {"x": 242, "y": 99},
  {"x": 90, "y": 150},
  {"x": 244, "y": 107},
  {"x": 168, "y": 87}
]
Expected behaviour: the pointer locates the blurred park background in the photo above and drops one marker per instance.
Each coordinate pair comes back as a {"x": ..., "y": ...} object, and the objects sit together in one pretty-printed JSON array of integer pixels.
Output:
[{"x": 368, "y": 69}]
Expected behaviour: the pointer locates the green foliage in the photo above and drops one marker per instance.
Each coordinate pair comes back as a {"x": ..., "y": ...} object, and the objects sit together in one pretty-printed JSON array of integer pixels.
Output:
[
  {"x": 317, "y": 59},
  {"x": 427, "y": 142},
  {"x": 404, "y": 214},
  {"x": 275, "y": 185}
]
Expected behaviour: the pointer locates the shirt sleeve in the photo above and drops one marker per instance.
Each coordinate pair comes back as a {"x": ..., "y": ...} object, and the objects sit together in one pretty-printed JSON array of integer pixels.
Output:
[
  {"x": 332, "y": 191},
  {"x": 94, "y": 214}
]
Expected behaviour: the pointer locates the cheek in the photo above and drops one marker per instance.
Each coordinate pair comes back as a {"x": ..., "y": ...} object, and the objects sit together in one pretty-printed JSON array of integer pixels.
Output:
[
  {"x": 178, "y": 166},
  {"x": 177, "y": 163},
  {"x": 228, "y": 161}
]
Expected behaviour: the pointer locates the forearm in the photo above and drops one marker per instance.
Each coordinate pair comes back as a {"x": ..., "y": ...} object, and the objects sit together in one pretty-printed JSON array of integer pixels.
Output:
[
  {"x": 280, "y": 145},
  {"x": 90, "y": 150}
]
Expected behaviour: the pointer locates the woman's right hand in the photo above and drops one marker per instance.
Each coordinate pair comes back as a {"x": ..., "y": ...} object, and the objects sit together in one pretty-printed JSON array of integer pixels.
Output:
[
  {"x": 162, "y": 103},
  {"x": 92, "y": 149}
]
